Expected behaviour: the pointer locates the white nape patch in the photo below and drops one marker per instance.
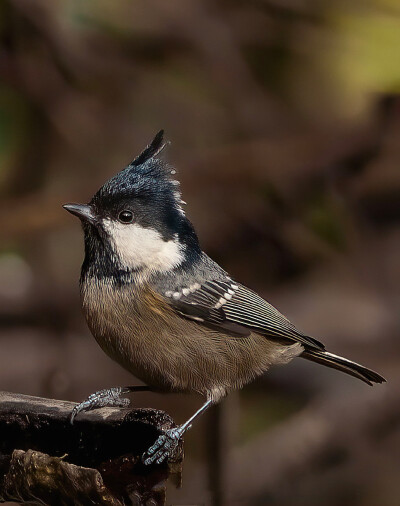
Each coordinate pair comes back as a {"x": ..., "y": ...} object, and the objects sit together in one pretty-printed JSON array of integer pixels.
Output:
[
  {"x": 178, "y": 201},
  {"x": 139, "y": 247},
  {"x": 177, "y": 194}
]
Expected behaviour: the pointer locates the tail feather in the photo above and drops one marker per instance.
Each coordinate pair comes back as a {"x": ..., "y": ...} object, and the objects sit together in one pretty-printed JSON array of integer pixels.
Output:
[{"x": 342, "y": 364}]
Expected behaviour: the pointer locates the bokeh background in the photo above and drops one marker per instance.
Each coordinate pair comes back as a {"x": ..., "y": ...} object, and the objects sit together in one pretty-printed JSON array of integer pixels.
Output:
[{"x": 284, "y": 122}]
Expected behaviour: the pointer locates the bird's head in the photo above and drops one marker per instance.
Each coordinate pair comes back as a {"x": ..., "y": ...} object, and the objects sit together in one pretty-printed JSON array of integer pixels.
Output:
[{"x": 135, "y": 222}]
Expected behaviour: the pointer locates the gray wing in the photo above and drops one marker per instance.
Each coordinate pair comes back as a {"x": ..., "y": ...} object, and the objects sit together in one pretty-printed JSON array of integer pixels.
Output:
[{"x": 233, "y": 308}]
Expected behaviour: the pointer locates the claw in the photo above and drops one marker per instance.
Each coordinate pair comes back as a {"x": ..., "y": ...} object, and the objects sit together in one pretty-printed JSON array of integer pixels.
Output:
[
  {"x": 100, "y": 399},
  {"x": 74, "y": 412},
  {"x": 165, "y": 447}
]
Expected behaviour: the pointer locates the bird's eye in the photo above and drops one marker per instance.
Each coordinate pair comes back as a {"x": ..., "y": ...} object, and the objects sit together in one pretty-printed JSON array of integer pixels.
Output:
[{"x": 125, "y": 217}]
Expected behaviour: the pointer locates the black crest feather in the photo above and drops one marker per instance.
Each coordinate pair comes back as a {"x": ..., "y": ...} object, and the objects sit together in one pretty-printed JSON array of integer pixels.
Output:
[
  {"x": 156, "y": 145},
  {"x": 146, "y": 178}
]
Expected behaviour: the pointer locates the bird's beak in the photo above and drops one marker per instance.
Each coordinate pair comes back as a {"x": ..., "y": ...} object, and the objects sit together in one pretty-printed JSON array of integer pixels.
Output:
[{"x": 83, "y": 211}]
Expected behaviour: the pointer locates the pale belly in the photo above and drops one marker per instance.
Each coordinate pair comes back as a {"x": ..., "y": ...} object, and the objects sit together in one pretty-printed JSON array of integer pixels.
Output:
[{"x": 170, "y": 353}]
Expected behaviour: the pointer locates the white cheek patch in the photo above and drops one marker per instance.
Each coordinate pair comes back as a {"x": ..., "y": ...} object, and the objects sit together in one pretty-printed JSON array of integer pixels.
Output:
[{"x": 139, "y": 247}]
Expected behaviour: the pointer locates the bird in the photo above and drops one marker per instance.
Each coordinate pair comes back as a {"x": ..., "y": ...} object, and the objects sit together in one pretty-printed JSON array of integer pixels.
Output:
[{"x": 158, "y": 305}]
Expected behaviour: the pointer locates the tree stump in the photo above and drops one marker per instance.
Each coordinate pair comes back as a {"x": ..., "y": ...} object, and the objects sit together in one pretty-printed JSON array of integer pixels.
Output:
[{"x": 46, "y": 460}]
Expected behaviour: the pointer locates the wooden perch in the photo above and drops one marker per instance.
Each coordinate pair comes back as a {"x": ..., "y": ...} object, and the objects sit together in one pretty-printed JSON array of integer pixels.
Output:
[{"x": 45, "y": 459}]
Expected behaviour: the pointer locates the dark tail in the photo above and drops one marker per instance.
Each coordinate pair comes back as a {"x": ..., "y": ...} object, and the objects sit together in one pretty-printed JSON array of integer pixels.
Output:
[{"x": 344, "y": 365}]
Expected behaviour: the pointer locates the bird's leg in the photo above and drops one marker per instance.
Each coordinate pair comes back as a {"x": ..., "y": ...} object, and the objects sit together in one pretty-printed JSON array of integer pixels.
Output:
[
  {"x": 107, "y": 397},
  {"x": 167, "y": 444}
]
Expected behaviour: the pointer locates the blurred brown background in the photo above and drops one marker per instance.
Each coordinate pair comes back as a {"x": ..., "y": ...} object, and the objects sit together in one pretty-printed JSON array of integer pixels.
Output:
[{"x": 285, "y": 130}]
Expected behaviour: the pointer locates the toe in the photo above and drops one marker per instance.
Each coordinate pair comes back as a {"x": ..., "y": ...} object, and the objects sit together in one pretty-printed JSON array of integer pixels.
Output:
[
  {"x": 165, "y": 447},
  {"x": 155, "y": 451},
  {"x": 157, "y": 445},
  {"x": 122, "y": 402},
  {"x": 157, "y": 457},
  {"x": 147, "y": 460},
  {"x": 161, "y": 456}
]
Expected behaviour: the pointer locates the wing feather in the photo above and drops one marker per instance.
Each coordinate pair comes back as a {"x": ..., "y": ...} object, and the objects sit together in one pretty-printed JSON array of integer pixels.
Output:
[{"x": 231, "y": 307}]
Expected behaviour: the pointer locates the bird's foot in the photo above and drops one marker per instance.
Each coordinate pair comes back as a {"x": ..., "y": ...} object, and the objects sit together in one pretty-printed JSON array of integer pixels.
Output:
[
  {"x": 165, "y": 447},
  {"x": 100, "y": 399}
]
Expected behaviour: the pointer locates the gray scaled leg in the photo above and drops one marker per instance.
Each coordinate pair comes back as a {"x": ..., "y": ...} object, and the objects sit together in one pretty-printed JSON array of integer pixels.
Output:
[
  {"x": 167, "y": 444},
  {"x": 107, "y": 397}
]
